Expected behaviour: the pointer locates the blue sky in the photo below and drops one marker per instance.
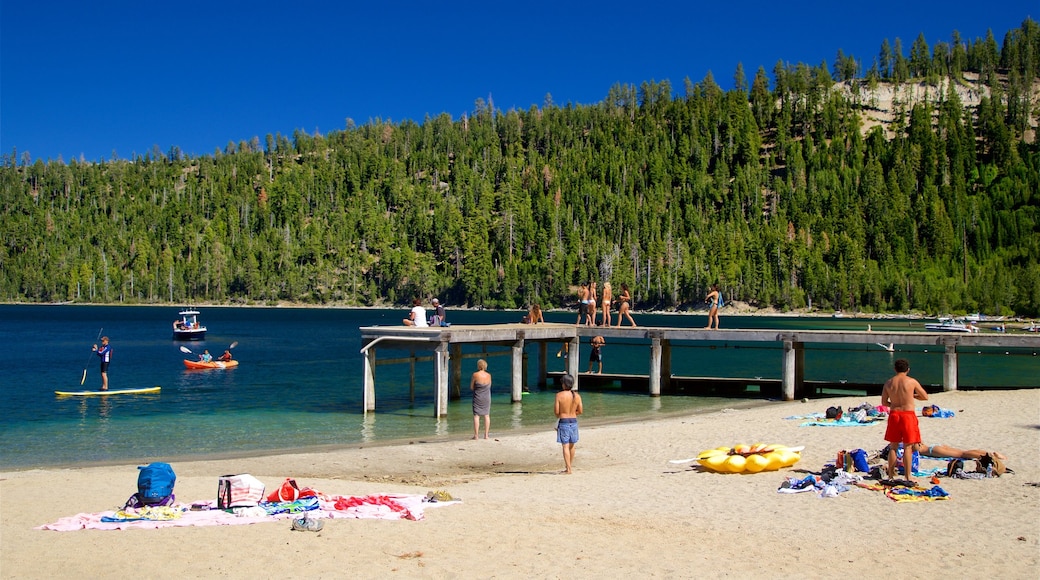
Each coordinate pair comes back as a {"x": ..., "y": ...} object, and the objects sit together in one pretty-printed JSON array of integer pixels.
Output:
[{"x": 116, "y": 78}]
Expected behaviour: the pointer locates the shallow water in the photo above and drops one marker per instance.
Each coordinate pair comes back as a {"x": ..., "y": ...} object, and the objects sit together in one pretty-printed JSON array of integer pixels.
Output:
[{"x": 299, "y": 382}]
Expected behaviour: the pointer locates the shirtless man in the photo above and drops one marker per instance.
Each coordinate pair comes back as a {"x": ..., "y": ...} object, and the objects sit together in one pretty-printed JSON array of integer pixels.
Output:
[
  {"x": 899, "y": 394},
  {"x": 567, "y": 408}
]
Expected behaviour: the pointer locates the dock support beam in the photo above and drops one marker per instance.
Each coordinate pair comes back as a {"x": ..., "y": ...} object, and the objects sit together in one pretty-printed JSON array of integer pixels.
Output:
[
  {"x": 441, "y": 363},
  {"x": 655, "y": 365},
  {"x": 543, "y": 363},
  {"x": 456, "y": 371},
  {"x": 950, "y": 367},
  {"x": 518, "y": 368},
  {"x": 572, "y": 360},
  {"x": 794, "y": 368},
  {"x": 370, "y": 380}
]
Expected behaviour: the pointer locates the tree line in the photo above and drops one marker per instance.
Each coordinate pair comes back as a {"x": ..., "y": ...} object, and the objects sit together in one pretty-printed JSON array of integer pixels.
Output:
[{"x": 782, "y": 191}]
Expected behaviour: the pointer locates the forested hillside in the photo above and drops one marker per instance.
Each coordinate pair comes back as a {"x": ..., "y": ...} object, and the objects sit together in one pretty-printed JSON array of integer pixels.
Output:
[{"x": 887, "y": 183}]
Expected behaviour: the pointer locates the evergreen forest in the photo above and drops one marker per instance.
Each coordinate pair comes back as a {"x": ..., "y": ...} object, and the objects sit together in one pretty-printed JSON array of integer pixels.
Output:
[{"x": 887, "y": 183}]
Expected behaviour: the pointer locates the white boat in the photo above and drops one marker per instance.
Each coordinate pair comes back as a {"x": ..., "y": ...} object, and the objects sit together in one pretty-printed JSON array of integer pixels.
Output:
[
  {"x": 950, "y": 325},
  {"x": 187, "y": 326}
]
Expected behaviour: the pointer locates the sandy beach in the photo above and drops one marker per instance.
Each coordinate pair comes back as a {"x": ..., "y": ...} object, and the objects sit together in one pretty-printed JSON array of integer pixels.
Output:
[{"x": 625, "y": 511}]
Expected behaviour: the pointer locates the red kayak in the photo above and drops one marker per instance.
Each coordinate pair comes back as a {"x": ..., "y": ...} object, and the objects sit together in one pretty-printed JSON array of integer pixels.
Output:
[{"x": 217, "y": 364}]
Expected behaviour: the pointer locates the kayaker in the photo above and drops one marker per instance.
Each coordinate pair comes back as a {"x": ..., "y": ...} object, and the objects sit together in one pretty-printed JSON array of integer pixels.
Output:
[
  {"x": 205, "y": 357},
  {"x": 225, "y": 357}
]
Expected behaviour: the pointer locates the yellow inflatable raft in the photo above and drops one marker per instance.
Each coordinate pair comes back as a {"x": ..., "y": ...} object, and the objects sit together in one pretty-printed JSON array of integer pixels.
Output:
[{"x": 745, "y": 458}]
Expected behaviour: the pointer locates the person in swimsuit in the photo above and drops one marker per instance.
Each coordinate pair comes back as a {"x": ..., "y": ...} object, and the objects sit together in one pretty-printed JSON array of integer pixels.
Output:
[
  {"x": 567, "y": 408},
  {"x": 596, "y": 355},
  {"x": 608, "y": 297},
  {"x": 943, "y": 451},
  {"x": 624, "y": 299},
  {"x": 714, "y": 300},
  {"x": 593, "y": 299},
  {"x": 480, "y": 384},
  {"x": 105, "y": 353},
  {"x": 899, "y": 394},
  {"x": 583, "y": 302}
]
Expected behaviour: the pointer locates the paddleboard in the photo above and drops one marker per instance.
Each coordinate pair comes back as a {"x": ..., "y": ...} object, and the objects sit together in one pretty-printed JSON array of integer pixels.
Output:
[{"x": 104, "y": 393}]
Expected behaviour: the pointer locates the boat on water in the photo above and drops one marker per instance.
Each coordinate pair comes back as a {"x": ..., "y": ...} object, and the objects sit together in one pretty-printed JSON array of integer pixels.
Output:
[
  {"x": 951, "y": 325},
  {"x": 187, "y": 326},
  {"x": 216, "y": 364}
]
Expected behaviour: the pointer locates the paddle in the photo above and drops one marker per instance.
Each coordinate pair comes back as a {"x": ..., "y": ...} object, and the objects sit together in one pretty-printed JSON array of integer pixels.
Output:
[
  {"x": 84, "y": 378},
  {"x": 233, "y": 345},
  {"x": 186, "y": 350}
]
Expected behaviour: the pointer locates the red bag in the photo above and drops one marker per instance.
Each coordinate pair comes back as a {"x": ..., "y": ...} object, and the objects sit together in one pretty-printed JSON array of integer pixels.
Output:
[{"x": 289, "y": 491}]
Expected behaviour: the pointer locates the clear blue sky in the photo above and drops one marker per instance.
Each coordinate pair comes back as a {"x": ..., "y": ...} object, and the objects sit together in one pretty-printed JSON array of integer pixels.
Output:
[{"x": 97, "y": 79}]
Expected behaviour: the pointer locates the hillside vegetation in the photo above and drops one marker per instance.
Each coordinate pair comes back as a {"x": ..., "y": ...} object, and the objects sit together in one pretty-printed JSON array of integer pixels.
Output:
[{"x": 911, "y": 184}]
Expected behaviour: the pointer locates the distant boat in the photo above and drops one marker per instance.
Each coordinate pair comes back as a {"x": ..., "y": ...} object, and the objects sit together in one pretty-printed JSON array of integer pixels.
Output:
[
  {"x": 187, "y": 326},
  {"x": 950, "y": 325}
]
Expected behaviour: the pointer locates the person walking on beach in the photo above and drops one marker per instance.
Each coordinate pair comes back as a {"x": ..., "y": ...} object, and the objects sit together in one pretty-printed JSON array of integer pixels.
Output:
[
  {"x": 899, "y": 394},
  {"x": 480, "y": 384},
  {"x": 608, "y": 297},
  {"x": 567, "y": 408},
  {"x": 624, "y": 298},
  {"x": 596, "y": 355},
  {"x": 105, "y": 353}
]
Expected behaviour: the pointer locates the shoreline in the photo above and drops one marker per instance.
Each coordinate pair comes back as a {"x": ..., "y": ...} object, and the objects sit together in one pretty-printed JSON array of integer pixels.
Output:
[
  {"x": 625, "y": 510},
  {"x": 734, "y": 308}
]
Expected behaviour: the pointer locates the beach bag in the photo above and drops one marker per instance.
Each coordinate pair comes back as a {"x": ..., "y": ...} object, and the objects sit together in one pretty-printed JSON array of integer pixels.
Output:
[
  {"x": 155, "y": 483},
  {"x": 242, "y": 490}
]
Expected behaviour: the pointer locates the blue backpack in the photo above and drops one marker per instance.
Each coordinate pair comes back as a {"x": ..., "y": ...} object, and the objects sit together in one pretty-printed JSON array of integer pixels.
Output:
[{"x": 154, "y": 485}]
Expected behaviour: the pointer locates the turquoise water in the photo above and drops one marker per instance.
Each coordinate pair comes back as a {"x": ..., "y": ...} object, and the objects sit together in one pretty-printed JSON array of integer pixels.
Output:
[{"x": 299, "y": 383}]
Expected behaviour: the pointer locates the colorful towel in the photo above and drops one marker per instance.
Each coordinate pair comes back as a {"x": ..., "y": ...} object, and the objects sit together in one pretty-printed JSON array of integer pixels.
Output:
[
  {"x": 386, "y": 506},
  {"x": 903, "y": 493},
  {"x": 842, "y": 422}
]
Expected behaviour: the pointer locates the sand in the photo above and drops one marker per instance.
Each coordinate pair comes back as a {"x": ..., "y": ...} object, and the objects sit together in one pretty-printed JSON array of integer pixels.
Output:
[{"x": 626, "y": 511}]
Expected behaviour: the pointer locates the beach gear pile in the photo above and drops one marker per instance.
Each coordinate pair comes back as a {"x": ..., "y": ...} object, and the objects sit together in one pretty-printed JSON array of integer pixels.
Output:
[
  {"x": 746, "y": 458},
  {"x": 240, "y": 499}
]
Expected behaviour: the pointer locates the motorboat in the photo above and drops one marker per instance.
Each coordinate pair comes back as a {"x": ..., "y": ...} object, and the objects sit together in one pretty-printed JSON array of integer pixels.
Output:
[
  {"x": 951, "y": 325},
  {"x": 187, "y": 326}
]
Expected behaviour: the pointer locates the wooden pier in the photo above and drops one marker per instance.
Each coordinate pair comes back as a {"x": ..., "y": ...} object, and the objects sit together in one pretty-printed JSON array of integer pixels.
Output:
[{"x": 444, "y": 346}]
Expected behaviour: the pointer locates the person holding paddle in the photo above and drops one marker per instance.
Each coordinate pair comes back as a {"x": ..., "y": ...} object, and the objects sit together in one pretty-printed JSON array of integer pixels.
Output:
[{"x": 105, "y": 352}]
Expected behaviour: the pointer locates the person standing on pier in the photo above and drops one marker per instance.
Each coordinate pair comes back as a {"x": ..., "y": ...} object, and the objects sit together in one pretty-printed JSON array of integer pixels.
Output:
[
  {"x": 567, "y": 408},
  {"x": 583, "y": 302},
  {"x": 593, "y": 299},
  {"x": 608, "y": 297},
  {"x": 480, "y": 384},
  {"x": 714, "y": 300},
  {"x": 624, "y": 299}
]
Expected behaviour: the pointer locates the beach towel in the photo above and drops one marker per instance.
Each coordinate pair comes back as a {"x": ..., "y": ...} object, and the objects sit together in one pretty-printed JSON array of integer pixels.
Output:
[
  {"x": 902, "y": 493},
  {"x": 205, "y": 513},
  {"x": 845, "y": 421}
]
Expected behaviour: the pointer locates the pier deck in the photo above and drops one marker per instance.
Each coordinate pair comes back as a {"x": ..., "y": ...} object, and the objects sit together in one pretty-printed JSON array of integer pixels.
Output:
[{"x": 445, "y": 347}]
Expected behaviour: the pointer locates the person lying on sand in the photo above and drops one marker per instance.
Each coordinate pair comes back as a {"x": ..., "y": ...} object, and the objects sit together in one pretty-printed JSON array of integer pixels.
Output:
[{"x": 947, "y": 451}]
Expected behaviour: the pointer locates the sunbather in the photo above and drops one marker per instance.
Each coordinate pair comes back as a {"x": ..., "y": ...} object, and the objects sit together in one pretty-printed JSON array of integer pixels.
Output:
[{"x": 947, "y": 451}]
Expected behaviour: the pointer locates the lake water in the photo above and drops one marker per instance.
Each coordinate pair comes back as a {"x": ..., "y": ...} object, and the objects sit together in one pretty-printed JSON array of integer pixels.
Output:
[{"x": 299, "y": 383}]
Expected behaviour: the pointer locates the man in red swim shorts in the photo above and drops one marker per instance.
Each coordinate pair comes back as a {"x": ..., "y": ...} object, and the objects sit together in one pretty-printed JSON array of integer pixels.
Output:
[{"x": 899, "y": 395}]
